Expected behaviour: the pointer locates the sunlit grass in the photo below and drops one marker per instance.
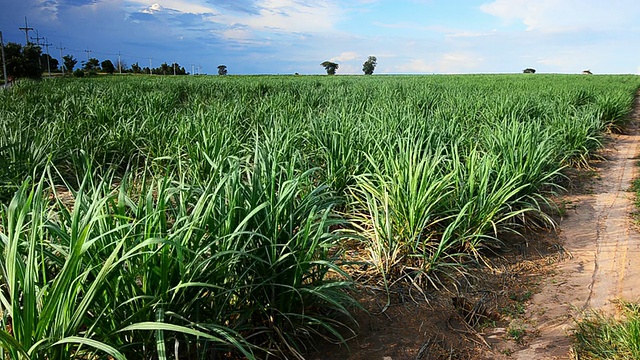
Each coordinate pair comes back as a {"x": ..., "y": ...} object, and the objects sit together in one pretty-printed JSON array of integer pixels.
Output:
[{"x": 600, "y": 336}]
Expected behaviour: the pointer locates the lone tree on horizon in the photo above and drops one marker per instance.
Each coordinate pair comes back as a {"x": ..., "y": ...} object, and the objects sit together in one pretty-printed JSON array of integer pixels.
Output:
[
  {"x": 108, "y": 67},
  {"x": 92, "y": 64},
  {"x": 69, "y": 63},
  {"x": 529, "y": 71},
  {"x": 331, "y": 67},
  {"x": 222, "y": 69},
  {"x": 369, "y": 65}
]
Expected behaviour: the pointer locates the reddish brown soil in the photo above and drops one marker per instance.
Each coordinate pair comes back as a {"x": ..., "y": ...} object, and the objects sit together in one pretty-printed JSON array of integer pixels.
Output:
[{"x": 600, "y": 234}]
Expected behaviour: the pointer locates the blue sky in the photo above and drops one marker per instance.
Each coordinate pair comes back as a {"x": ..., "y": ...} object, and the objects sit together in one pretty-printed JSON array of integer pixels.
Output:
[{"x": 288, "y": 36}]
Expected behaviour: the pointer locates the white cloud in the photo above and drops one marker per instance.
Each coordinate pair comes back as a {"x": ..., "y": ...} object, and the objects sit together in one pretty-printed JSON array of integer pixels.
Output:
[
  {"x": 349, "y": 69},
  {"x": 345, "y": 56},
  {"x": 292, "y": 16},
  {"x": 446, "y": 64},
  {"x": 237, "y": 34},
  {"x": 49, "y": 9},
  {"x": 458, "y": 62},
  {"x": 416, "y": 66},
  {"x": 565, "y": 15},
  {"x": 288, "y": 17},
  {"x": 184, "y": 6},
  {"x": 560, "y": 61},
  {"x": 154, "y": 8}
]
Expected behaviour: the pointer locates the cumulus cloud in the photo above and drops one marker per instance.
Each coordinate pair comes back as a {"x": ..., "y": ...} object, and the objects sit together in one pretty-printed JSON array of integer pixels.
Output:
[{"x": 154, "y": 8}]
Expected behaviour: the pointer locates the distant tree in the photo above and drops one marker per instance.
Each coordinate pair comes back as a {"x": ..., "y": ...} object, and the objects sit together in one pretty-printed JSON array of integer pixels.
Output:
[
  {"x": 23, "y": 61},
  {"x": 44, "y": 64},
  {"x": 178, "y": 69},
  {"x": 330, "y": 67},
  {"x": 69, "y": 63},
  {"x": 222, "y": 69},
  {"x": 92, "y": 64},
  {"x": 135, "y": 68},
  {"x": 529, "y": 71},
  {"x": 78, "y": 73},
  {"x": 120, "y": 66},
  {"x": 164, "y": 69},
  {"x": 14, "y": 59},
  {"x": 108, "y": 67},
  {"x": 146, "y": 70},
  {"x": 369, "y": 65}
]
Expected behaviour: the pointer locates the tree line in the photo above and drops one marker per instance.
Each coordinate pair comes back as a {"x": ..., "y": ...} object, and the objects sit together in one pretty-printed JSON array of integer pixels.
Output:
[
  {"x": 94, "y": 65},
  {"x": 29, "y": 62}
]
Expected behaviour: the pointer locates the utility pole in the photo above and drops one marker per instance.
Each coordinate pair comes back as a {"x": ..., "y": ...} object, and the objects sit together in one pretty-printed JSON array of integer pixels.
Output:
[
  {"x": 193, "y": 69},
  {"x": 26, "y": 30},
  {"x": 88, "y": 52},
  {"x": 119, "y": 63},
  {"x": 174, "y": 68},
  {"x": 37, "y": 38},
  {"x": 61, "y": 58},
  {"x": 4, "y": 64},
  {"x": 46, "y": 44},
  {"x": 150, "y": 67}
]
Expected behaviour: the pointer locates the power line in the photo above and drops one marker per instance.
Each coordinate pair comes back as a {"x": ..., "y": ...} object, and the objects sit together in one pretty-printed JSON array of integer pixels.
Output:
[
  {"x": 119, "y": 63},
  {"x": 4, "y": 64},
  {"x": 26, "y": 30},
  {"x": 46, "y": 44},
  {"x": 37, "y": 38},
  {"x": 61, "y": 58}
]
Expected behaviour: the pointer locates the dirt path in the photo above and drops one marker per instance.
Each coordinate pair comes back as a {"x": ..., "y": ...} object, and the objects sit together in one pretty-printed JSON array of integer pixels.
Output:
[{"x": 605, "y": 264}]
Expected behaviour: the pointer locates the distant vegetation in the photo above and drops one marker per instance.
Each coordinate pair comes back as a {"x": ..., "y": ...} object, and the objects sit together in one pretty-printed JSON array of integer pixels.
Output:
[
  {"x": 330, "y": 67},
  {"x": 29, "y": 62},
  {"x": 370, "y": 65},
  {"x": 219, "y": 217}
]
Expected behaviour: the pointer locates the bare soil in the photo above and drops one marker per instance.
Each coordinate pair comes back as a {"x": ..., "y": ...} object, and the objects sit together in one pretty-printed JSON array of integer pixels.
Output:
[
  {"x": 524, "y": 305},
  {"x": 600, "y": 233}
]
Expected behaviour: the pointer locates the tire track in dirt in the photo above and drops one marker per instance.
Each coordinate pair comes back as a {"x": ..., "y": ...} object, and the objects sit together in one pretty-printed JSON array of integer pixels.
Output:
[{"x": 605, "y": 263}]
